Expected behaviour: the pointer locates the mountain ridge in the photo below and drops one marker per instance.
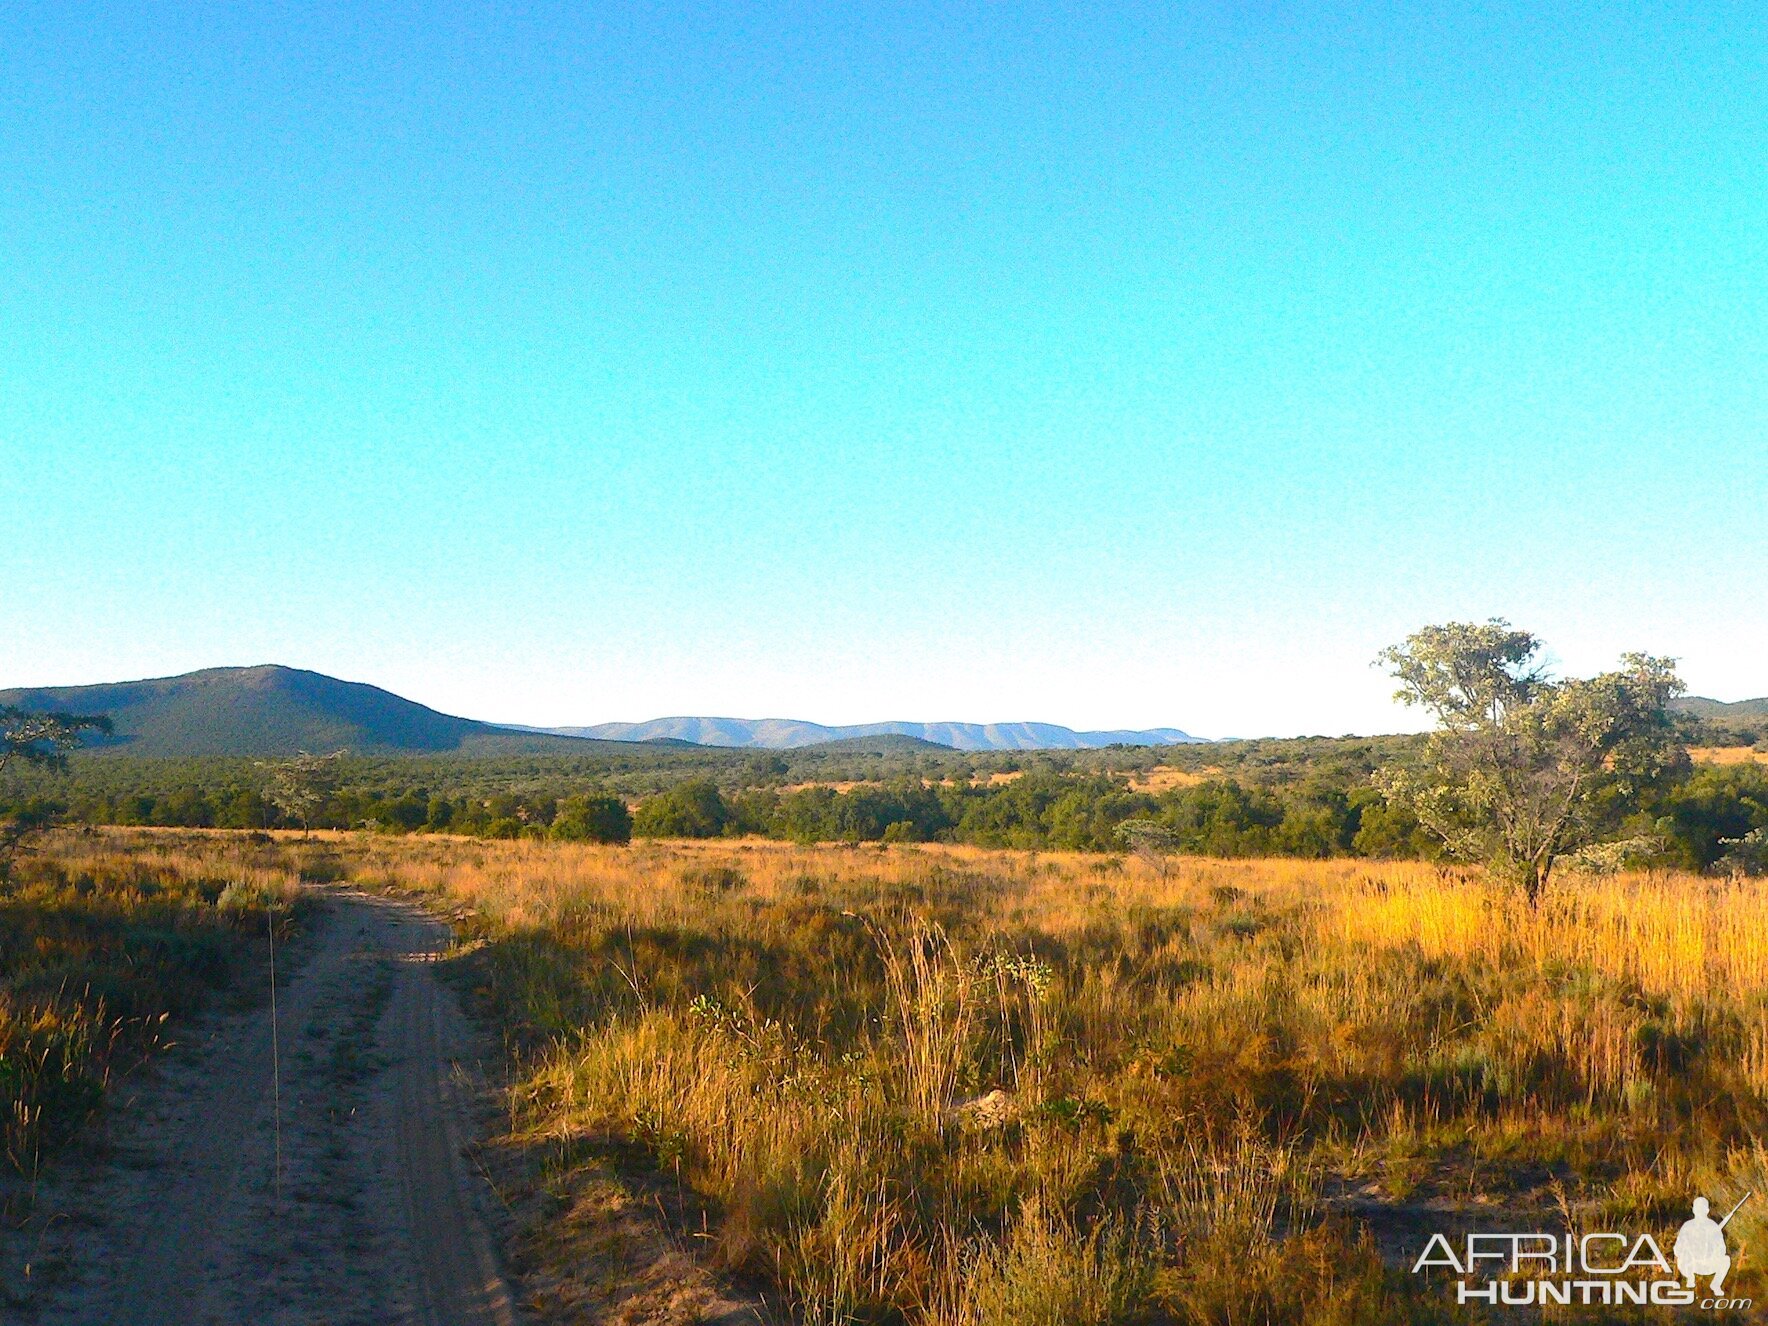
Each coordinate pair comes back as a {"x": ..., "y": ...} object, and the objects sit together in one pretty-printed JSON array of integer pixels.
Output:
[
  {"x": 268, "y": 710},
  {"x": 1703, "y": 707},
  {"x": 791, "y": 733},
  {"x": 271, "y": 709}
]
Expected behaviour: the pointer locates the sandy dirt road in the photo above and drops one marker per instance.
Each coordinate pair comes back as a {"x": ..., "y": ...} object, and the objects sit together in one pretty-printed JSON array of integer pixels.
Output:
[{"x": 373, "y": 1215}]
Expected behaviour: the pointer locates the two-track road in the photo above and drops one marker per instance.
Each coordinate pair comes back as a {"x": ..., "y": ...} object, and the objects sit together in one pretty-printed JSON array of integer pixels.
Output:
[{"x": 373, "y": 1213}]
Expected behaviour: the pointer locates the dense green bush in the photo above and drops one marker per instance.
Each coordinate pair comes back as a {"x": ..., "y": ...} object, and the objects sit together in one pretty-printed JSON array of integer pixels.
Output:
[
  {"x": 593, "y": 819},
  {"x": 1714, "y": 804},
  {"x": 689, "y": 810}
]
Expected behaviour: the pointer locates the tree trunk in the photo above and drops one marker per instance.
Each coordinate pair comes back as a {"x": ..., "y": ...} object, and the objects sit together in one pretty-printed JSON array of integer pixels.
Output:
[{"x": 1539, "y": 873}]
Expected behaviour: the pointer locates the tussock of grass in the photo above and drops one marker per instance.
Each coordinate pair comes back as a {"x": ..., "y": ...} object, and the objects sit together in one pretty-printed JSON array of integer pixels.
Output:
[{"x": 1046, "y": 1271}]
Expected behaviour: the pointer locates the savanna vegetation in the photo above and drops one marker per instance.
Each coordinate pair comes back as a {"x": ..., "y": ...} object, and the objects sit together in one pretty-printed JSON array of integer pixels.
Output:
[
  {"x": 949, "y": 1085},
  {"x": 93, "y": 961},
  {"x": 941, "y": 1084},
  {"x": 98, "y": 952},
  {"x": 1062, "y": 1043},
  {"x": 101, "y": 952},
  {"x": 1312, "y": 798},
  {"x": 1522, "y": 770}
]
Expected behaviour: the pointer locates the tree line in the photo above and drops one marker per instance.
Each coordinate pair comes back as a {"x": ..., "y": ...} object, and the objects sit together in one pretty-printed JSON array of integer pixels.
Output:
[
  {"x": 1691, "y": 821},
  {"x": 1522, "y": 771}
]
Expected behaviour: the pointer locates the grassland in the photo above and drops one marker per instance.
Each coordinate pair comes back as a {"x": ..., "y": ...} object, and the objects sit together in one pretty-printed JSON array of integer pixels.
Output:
[
  {"x": 1727, "y": 755},
  {"x": 945, "y": 1085}
]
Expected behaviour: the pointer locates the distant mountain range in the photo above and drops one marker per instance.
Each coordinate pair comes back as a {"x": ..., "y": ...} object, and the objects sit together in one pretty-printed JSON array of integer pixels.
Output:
[
  {"x": 787, "y": 733},
  {"x": 273, "y": 710}
]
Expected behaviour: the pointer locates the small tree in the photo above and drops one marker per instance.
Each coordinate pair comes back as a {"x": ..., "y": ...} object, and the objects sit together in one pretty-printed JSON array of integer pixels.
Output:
[
  {"x": 1747, "y": 855},
  {"x": 43, "y": 740},
  {"x": 298, "y": 787},
  {"x": 1521, "y": 765},
  {"x": 1151, "y": 840}
]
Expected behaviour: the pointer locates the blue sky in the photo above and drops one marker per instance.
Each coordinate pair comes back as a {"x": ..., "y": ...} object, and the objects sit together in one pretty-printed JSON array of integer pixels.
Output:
[{"x": 977, "y": 362}]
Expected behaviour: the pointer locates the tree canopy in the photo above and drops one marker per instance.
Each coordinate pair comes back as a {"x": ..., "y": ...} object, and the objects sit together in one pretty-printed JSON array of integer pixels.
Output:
[
  {"x": 44, "y": 739},
  {"x": 1523, "y": 768}
]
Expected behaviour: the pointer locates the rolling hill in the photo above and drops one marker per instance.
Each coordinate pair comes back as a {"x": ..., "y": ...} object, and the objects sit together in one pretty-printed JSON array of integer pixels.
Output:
[
  {"x": 883, "y": 743},
  {"x": 788, "y": 733},
  {"x": 1701, "y": 707},
  {"x": 271, "y": 710}
]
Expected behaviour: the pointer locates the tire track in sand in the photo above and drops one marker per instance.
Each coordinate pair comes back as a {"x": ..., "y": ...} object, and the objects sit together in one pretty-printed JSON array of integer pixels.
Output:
[{"x": 377, "y": 1218}]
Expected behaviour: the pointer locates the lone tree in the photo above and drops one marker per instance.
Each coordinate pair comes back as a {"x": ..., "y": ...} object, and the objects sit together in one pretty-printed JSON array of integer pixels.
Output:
[
  {"x": 1521, "y": 766},
  {"x": 298, "y": 786},
  {"x": 1151, "y": 840},
  {"x": 39, "y": 739}
]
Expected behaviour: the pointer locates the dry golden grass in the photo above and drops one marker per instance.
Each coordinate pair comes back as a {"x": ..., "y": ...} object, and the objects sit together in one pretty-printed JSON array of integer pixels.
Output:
[
  {"x": 952, "y": 1085},
  {"x": 1164, "y": 778},
  {"x": 1727, "y": 755},
  {"x": 100, "y": 944}
]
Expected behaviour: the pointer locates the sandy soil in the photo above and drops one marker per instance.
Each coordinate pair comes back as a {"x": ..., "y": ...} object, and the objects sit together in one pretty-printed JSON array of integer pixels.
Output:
[{"x": 182, "y": 1213}]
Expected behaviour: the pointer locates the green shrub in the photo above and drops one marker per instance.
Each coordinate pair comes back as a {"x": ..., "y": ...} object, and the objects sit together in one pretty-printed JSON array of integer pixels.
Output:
[{"x": 593, "y": 819}]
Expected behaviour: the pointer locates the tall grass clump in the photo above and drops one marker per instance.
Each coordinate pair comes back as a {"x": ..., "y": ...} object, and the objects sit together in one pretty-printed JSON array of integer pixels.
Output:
[{"x": 1046, "y": 1271}]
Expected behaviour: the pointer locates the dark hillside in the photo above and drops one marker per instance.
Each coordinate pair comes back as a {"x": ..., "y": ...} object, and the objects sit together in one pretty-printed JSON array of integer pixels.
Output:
[{"x": 272, "y": 710}]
